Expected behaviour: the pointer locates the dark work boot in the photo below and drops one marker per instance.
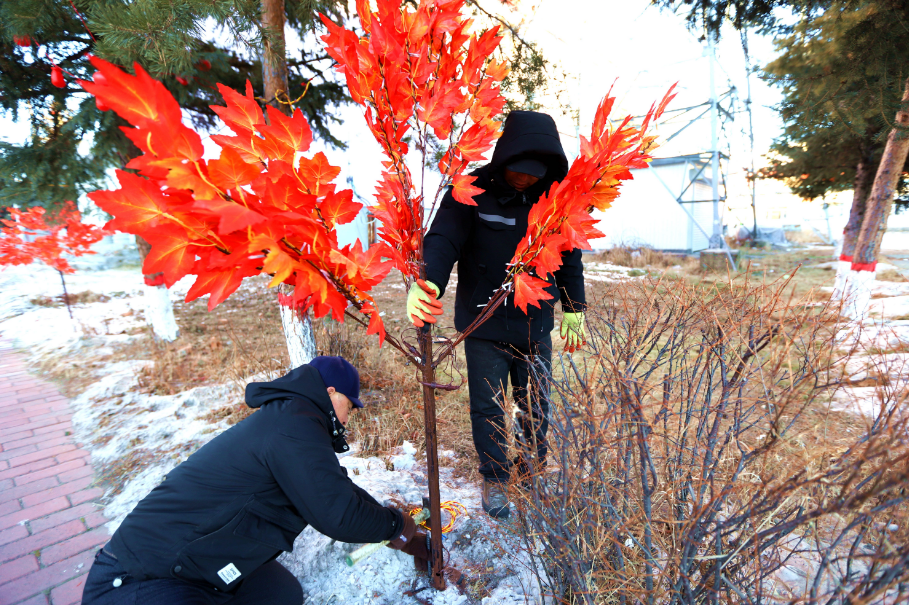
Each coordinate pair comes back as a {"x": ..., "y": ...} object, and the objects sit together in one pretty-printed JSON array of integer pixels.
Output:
[{"x": 495, "y": 499}]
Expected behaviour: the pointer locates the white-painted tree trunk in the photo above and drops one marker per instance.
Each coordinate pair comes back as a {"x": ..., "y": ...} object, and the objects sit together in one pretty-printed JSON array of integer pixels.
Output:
[
  {"x": 301, "y": 341},
  {"x": 159, "y": 313},
  {"x": 857, "y": 298},
  {"x": 843, "y": 267}
]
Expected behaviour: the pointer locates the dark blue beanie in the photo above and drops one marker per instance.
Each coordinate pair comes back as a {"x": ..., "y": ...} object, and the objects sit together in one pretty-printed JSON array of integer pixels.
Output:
[{"x": 337, "y": 372}]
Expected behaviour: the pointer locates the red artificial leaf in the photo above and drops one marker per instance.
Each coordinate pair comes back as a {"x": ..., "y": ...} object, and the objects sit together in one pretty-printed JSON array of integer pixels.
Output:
[
  {"x": 57, "y": 77},
  {"x": 171, "y": 254},
  {"x": 136, "y": 207},
  {"x": 241, "y": 113},
  {"x": 183, "y": 174},
  {"x": 528, "y": 290},
  {"x": 231, "y": 172},
  {"x": 231, "y": 216},
  {"x": 463, "y": 191},
  {"x": 288, "y": 135},
  {"x": 218, "y": 284},
  {"x": 376, "y": 326},
  {"x": 339, "y": 208},
  {"x": 316, "y": 172}
]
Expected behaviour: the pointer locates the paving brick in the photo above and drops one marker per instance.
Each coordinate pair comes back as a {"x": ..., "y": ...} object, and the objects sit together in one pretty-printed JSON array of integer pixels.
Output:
[
  {"x": 38, "y": 599},
  {"x": 11, "y": 455},
  {"x": 61, "y": 490},
  {"x": 86, "y": 495},
  {"x": 17, "y": 568},
  {"x": 48, "y": 577},
  {"x": 77, "y": 473},
  {"x": 41, "y": 453},
  {"x": 73, "y": 455},
  {"x": 28, "y": 489},
  {"x": 51, "y": 426},
  {"x": 9, "y": 507},
  {"x": 69, "y": 593},
  {"x": 54, "y": 469},
  {"x": 31, "y": 426},
  {"x": 42, "y": 540},
  {"x": 37, "y": 465},
  {"x": 6, "y": 484},
  {"x": 43, "y": 415},
  {"x": 34, "y": 512},
  {"x": 4, "y": 465},
  {"x": 95, "y": 519},
  {"x": 11, "y": 534},
  {"x": 35, "y": 439},
  {"x": 90, "y": 540},
  {"x": 86, "y": 511},
  {"x": 30, "y": 394},
  {"x": 20, "y": 434}
]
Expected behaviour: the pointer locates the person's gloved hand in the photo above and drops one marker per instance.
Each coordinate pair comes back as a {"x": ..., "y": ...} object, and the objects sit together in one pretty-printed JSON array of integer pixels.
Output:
[
  {"x": 423, "y": 303},
  {"x": 405, "y": 534},
  {"x": 573, "y": 329}
]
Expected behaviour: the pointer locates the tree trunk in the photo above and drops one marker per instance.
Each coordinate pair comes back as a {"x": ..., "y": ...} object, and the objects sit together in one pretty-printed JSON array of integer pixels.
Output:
[
  {"x": 864, "y": 178},
  {"x": 298, "y": 332},
  {"x": 877, "y": 210},
  {"x": 159, "y": 310}
]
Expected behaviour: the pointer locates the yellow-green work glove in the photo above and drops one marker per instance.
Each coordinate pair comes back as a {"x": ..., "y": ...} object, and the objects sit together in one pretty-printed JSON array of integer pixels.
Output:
[
  {"x": 422, "y": 303},
  {"x": 573, "y": 329}
]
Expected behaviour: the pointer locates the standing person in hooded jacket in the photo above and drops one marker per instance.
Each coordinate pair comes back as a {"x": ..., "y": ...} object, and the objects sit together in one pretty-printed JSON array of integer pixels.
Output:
[
  {"x": 210, "y": 532},
  {"x": 482, "y": 239}
]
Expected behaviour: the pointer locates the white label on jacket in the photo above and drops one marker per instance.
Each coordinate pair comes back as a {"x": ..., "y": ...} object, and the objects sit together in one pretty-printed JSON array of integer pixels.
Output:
[{"x": 229, "y": 573}]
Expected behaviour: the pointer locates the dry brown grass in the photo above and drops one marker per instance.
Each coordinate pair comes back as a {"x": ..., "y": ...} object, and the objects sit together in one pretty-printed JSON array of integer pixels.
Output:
[{"x": 645, "y": 258}]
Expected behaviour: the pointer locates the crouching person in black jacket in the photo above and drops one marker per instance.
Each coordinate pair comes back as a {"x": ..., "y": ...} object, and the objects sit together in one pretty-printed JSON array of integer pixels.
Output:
[{"x": 210, "y": 532}]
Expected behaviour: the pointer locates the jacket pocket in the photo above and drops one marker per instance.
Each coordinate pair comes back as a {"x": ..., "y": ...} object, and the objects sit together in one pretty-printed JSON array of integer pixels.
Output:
[
  {"x": 223, "y": 558},
  {"x": 271, "y": 527}
]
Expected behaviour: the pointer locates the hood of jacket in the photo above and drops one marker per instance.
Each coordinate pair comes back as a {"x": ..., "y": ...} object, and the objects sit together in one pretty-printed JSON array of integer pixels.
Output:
[
  {"x": 306, "y": 383},
  {"x": 527, "y": 134}
]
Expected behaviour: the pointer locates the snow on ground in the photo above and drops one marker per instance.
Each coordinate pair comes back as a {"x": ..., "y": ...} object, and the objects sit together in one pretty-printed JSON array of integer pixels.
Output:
[
  {"x": 610, "y": 272},
  {"x": 136, "y": 439}
]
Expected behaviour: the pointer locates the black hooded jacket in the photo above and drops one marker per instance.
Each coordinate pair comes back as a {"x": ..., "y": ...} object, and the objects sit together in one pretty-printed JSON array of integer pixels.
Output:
[
  {"x": 482, "y": 239},
  {"x": 246, "y": 495}
]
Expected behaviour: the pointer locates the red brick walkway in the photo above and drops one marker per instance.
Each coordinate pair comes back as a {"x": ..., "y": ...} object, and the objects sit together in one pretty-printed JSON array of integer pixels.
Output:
[{"x": 50, "y": 526}]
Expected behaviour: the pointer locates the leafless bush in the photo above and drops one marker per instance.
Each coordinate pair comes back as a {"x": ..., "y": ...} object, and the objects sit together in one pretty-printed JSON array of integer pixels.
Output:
[{"x": 690, "y": 460}]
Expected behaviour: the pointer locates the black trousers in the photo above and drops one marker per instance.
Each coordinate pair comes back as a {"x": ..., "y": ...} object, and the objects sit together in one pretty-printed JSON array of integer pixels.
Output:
[
  {"x": 271, "y": 584},
  {"x": 491, "y": 365}
]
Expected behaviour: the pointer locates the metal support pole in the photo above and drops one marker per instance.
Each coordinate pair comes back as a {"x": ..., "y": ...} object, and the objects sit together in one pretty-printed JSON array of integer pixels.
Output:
[
  {"x": 716, "y": 238},
  {"x": 432, "y": 457}
]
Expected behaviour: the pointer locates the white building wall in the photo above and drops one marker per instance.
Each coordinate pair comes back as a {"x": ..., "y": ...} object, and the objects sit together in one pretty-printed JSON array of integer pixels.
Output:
[{"x": 646, "y": 214}]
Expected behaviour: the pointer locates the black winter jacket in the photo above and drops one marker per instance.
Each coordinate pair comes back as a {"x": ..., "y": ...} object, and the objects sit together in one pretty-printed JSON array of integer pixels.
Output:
[
  {"x": 482, "y": 239},
  {"x": 246, "y": 495}
]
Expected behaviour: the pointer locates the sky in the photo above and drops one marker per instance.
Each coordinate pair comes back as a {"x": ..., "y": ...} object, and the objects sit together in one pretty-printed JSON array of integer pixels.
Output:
[{"x": 592, "y": 45}]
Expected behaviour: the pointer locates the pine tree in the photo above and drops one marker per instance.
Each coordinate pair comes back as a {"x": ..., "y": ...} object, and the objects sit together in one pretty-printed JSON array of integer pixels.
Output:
[{"x": 834, "y": 127}]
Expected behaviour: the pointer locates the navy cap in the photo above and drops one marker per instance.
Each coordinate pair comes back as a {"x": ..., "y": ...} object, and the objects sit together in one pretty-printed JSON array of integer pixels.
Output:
[
  {"x": 338, "y": 373},
  {"x": 528, "y": 166}
]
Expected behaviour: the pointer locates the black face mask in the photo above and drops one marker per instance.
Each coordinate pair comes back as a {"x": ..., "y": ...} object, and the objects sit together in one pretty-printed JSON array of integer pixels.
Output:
[{"x": 338, "y": 443}]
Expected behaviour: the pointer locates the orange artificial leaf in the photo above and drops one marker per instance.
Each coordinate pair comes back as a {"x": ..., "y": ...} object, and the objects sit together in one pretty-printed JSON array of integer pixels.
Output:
[
  {"x": 231, "y": 216},
  {"x": 183, "y": 174},
  {"x": 241, "y": 113},
  {"x": 528, "y": 290},
  {"x": 463, "y": 191},
  {"x": 231, "y": 172},
  {"x": 278, "y": 263},
  {"x": 288, "y": 135},
  {"x": 316, "y": 172},
  {"x": 339, "y": 208}
]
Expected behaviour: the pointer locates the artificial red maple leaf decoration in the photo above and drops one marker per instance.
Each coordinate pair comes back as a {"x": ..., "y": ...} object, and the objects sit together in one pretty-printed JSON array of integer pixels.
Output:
[
  {"x": 33, "y": 235},
  {"x": 259, "y": 207},
  {"x": 419, "y": 72},
  {"x": 560, "y": 221}
]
